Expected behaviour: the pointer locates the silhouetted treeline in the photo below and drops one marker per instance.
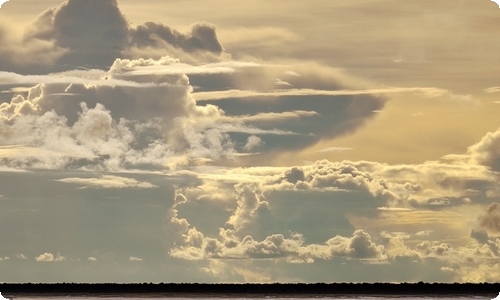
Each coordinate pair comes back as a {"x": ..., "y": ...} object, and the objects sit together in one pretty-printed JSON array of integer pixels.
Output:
[{"x": 282, "y": 289}]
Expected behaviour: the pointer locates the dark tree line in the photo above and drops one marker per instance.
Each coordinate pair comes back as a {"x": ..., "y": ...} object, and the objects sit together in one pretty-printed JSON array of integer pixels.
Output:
[{"x": 165, "y": 289}]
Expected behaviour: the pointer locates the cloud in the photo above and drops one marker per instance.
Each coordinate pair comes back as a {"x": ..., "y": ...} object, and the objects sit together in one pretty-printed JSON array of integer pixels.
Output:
[
  {"x": 49, "y": 257},
  {"x": 384, "y": 208},
  {"x": 480, "y": 235},
  {"x": 334, "y": 149},
  {"x": 249, "y": 207},
  {"x": 424, "y": 232},
  {"x": 220, "y": 95},
  {"x": 325, "y": 175},
  {"x": 487, "y": 151},
  {"x": 141, "y": 118},
  {"x": 134, "y": 258},
  {"x": 276, "y": 246},
  {"x": 253, "y": 142},
  {"x": 471, "y": 263},
  {"x": 201, "y": 38},
  {"x": 149, "y": 99},
  {"x": 18, "y": 54},
  {"x": 9, "y": 78},
  {"x": 93, "y": 34},
  {"x": 93, "y": 31},
  {"x": 371, "y": 196},
  {"x": 21, "y": 256},
  {"x": 491, "y": 220},
  {"x": 148, "y": 123},
  {"x": 93, "y": 135},
  {"x": 256, "y": 213},
  {"x": 494, "y": 89},
  {"x": 142, "y": 69},
  {"x": 109, "y": 182}
]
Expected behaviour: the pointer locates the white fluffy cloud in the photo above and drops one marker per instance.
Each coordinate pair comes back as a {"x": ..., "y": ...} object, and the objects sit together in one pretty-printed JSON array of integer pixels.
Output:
[
  {"x": 276, "y": 246},
  {"x": 143, "y": 113},
  {"x": 49, "y": 257},
  {"x": 421, "y": 195},
  {"x": 487, "y": 151}
]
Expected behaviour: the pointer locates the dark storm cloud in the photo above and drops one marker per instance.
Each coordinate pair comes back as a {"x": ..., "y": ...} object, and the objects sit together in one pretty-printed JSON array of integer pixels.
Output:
[
  {"x": 328, "y": 116},
  {"x": 334, "y": 116},
  {"x": 93, "y": 33},
  {"x": 201, "y": 38},
  {"x": 479, "y": 235},
  {"x": 491, "y": 220}
]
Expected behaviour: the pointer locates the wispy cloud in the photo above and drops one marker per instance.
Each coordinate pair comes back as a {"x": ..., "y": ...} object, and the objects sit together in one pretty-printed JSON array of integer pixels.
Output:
[
  {"x": 334, "y": 149},
  {"x": 109, "y": 182},
  {"x": 220, "y": 95}
]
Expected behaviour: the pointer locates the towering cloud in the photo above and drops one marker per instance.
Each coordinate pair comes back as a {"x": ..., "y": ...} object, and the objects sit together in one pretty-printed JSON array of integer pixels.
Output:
[
  {"x": 141, "y": 152},
  {"x": 92, "y": 34},
  {"x": 487, "y": 151}
]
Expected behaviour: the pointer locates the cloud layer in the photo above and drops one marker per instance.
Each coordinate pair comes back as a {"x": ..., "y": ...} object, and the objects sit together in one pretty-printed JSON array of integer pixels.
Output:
[{"x": 149, "y": 153}]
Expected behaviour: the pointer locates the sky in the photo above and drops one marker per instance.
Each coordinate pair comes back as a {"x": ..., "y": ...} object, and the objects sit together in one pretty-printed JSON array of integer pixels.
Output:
[{"x": 249, "y": 141}]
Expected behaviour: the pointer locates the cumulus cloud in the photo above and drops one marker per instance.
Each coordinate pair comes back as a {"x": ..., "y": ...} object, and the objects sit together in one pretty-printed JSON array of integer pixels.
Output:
[
  {"x": 249, "y": 206},
  {"x": 155, "y": 90},
  {"x": 195, "y": 107},
  {"x": 253, "y": 142},
  {"x": 135, "y": 116},
  {"x": 293, "y": 249},
  {"x": 326, "y": 175},
  {"x": 93, "y": 34},
  {"x": 18, "y": 54},
  {"x": 406, "y": 194},
  {"x": 251, "y": 218},
  {"x": 487, "y": 151},
  {"x": 49, "y": 257},
  {"x": 471, "y": 263},
  {"x": 93, "y": 135},
  {"x": 122, "y": 125},
  {"x": 480, "y": 235}
]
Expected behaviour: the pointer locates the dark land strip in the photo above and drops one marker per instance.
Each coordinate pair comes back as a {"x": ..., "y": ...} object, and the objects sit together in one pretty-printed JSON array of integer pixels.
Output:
[{"x": 247, "y": 290}]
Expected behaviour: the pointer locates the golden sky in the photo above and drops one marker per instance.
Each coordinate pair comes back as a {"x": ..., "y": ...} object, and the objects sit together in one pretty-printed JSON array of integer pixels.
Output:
[{"x": 198, "y": 141}]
